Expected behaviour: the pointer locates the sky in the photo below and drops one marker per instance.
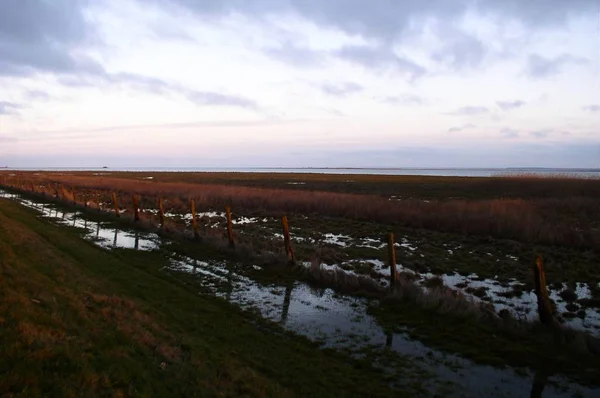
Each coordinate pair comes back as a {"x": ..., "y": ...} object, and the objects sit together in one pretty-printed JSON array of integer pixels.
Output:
[{"x": 299, "y": 83}]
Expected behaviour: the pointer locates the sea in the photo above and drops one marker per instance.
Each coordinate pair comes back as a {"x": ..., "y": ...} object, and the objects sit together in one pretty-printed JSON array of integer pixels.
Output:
[{"x": 456, "y": 172}]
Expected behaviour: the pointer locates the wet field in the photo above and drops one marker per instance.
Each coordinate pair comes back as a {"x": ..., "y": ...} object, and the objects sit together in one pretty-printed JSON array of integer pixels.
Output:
[{"x": 344, "y": 322}]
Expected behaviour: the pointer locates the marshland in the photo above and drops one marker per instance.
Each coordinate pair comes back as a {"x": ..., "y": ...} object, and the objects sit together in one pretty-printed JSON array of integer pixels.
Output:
[{"x": 460, "y": 317}]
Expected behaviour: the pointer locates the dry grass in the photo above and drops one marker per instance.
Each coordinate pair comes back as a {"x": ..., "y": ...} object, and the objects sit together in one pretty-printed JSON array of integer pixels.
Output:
[{"x": 572, "y": 221}]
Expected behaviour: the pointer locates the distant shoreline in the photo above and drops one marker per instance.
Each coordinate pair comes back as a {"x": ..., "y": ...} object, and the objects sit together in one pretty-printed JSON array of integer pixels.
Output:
[
  {"x": 397, "y": 171},
  {"x": 144, "y": 168}
]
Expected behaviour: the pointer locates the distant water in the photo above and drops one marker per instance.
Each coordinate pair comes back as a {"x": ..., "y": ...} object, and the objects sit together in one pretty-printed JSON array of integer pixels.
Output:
[{"x": 456, "y": 172}]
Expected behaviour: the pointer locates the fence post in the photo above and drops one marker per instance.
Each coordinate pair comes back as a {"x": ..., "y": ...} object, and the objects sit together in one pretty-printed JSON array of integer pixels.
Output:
[
  {"x": 136, "y": 207},
  {"x": 287, "y": 240},
  {"x": 541, "y": 291},
  {"x": 116, "y": 204},
  {"x": 161, "y": 212},
  {"x": 73, "y": 193},
  {"x": 392, "y": 261},
  {"x": 229, "y": 226},
  {"x": 194, "y": 221}
]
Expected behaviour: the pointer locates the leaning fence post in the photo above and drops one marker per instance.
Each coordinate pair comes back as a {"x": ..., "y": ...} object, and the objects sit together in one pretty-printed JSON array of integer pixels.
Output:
[
  {"x": 194, "y": 221},
  {"x": 229, "y": 226},
  {"x": 136, "y": 207},
  {"x": 392, "y": 261},
  {"x": 286, "y": 240},
  {"x": 116, "y": 204},
  {"x": 161, "y": 212},
  {"x": 541, "y": 291}
]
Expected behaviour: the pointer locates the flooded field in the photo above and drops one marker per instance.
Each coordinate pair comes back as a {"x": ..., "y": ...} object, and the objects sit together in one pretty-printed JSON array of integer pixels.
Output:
[
  {"x": 432, "y": 263},
  {"x": 345, "y": 323}
]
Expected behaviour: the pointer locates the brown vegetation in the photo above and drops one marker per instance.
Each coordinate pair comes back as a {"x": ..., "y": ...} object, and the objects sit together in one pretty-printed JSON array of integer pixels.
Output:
[{"x": 572, "y": 221}]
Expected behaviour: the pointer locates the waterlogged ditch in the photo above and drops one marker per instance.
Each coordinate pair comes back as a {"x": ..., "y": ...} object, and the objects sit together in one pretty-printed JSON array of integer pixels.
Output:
[
  {"x": 334, "y": 320},
  {"x": 430, "y": 263}
]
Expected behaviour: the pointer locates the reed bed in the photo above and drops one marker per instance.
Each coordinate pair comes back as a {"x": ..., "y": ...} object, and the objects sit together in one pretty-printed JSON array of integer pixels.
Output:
[{"x": 572, "y": 221}]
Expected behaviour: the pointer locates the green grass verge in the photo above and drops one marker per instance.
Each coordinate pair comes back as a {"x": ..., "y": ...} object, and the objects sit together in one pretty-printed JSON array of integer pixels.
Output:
[{"x": 76, "y": 320}]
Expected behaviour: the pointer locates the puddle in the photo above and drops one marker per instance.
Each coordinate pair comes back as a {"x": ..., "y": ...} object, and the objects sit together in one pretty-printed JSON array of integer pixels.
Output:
[
  {"x": 336, "y": 239},
  {"x": 331, "y": 319},
  {"x": 522, "y": 305},
  {"x": 103, "y": 234},
  {"x": 342, "y": 322}
]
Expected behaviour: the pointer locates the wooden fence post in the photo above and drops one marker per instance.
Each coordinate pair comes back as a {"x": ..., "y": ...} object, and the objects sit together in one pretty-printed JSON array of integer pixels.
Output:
[
  {"x": 541, "y": 291},
  {"x": 194, "y": 221},
  {"x": 287, "y": 240},
  {"x": 73, "y": 193},
  {"x": 229, "y": 227},
  {"x": 136, "y": 207},
  {"x": 392, "y": 261},
  {"x": 161, "y": 212},
  {"x": 116, "y": 204}
]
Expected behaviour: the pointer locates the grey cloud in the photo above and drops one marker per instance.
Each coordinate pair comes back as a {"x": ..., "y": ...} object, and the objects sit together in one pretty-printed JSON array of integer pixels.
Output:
[
  {"x": 218, "y": 99},
  {"x": 371, "y": 57},
  {"x": 39, "y": 36},
  {"x": 510, "y": 105},
  {"x": 159, "y": 87},
  {"x": 461, "y": 128},
  {"x": 509, "y": 133},
  {"x": 342, "y": 89},
  {"x": 386, "y": 23},
  {"x": 162, "y": 31},
  {"x": 295, "y": 55},
  {"x": 33, "y": 95},
  {"x": 460, "y": 50},
  {"x": 591, "y": 108},
  {"x": 406, "y": 99},
  {"x": 541, "y": 67},
  {"x": 539, "y": 12},
  {"x": 8, "y": 108},
  {"x": 381, "y": 58},
  {"x": 470, "y": 111},
  {"x": 541, "y": 133},
  {"x": 388, "y": 20}
]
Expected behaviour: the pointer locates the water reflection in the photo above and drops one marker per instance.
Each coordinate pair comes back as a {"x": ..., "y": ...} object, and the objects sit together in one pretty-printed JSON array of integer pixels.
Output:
[
  {"x": 333, "y": 320},
  {"x": 287, "y": 298}
]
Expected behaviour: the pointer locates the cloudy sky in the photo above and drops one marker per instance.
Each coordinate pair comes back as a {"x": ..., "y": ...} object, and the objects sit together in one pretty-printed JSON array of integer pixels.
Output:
[{"x": 231, "y": 83}]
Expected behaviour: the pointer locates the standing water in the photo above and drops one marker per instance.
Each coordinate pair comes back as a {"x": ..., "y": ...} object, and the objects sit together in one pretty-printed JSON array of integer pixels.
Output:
[{"x": 333, "y": 320}]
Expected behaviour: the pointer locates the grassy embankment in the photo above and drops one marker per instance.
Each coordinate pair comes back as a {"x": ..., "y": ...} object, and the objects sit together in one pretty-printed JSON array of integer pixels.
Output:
[
  {"x": 76, "y": 320},
  {"x": 450, "y": 326}
]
